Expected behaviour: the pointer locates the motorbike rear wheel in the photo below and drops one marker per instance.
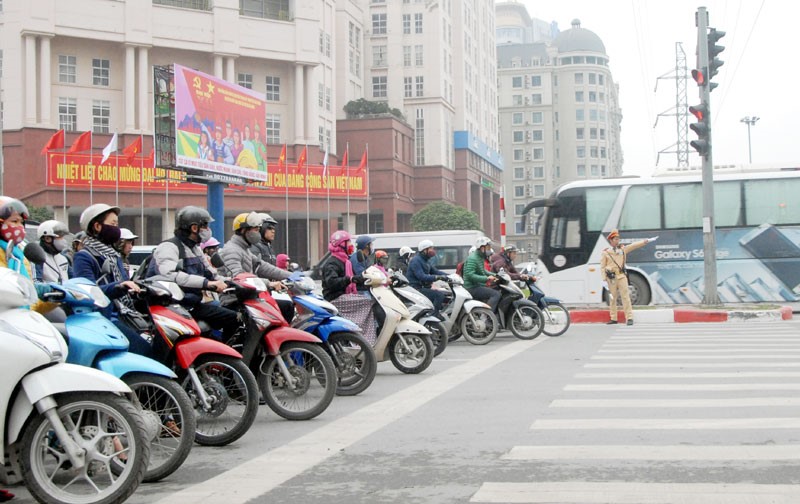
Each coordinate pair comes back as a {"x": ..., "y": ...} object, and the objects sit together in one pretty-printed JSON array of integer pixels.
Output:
[
  {"x": 109, "y": 429},
  {"x": 526, "y": 321},
  {"x": 314, "y": 381},
  {"x": 355, "y": 360},
  {"x": 479, "y": 326},
  {"x": 556, "y": 319},
  {"x": 234, "y": 394},
  {"x": 438, "y": 336},
  {"x": 416, "y": 357}
]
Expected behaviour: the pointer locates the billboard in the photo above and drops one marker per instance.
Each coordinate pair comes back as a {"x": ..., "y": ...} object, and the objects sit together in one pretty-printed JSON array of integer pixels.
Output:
[{"x": 219, "y": 127}]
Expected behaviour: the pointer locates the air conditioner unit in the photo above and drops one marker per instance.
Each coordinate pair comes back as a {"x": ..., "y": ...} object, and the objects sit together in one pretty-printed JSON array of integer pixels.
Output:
[
  {"x": 527, "y": 100},
  {"x": 527, "y": 156},
  {"x": 528, "y": 136}
]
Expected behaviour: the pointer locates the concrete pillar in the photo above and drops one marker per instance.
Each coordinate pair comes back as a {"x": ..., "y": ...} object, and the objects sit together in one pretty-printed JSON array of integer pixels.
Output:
[
  {"x": 218, "y": 66},
  {"x": 130, "y": 88},
  {"x": 168, "y": 224},
  {"x": 30, "y": 80},
  {"x": 230, "y": 69},
  {"x": 59, "y": 214},
  {"x": 44, "y": 80},
  {"x": 145, "y": 122},
  {"x": 312, "y": 103},
  {"x": 299, "y": 117}
]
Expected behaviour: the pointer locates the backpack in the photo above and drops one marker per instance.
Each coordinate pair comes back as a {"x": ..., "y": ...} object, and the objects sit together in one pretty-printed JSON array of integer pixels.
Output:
[
  {"x": 460, "y": 269},
  {"x": 147, "y": 268}
]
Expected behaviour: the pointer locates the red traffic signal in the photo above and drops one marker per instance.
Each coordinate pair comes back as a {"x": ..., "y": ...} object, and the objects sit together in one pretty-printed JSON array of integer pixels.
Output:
[
  {"x": 699, "y": 77},
  {"x": 699, "y": 111}
]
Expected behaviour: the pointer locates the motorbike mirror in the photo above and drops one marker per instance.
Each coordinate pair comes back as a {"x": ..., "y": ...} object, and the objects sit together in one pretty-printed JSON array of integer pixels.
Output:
[
  {"x": 216, "y": 260},
  {"x": 34, "y": 253}
]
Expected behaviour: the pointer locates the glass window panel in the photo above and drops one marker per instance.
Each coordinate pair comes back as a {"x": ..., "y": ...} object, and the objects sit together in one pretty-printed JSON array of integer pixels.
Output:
[{"x": 642, "y": 209}]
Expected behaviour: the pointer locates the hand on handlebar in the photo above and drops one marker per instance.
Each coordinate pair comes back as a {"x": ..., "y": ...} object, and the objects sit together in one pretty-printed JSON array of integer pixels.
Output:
[
  {"x": 217, "y": 285},
  {"x": 277, "y": 286},
  {"x": 130, "y": 286}
]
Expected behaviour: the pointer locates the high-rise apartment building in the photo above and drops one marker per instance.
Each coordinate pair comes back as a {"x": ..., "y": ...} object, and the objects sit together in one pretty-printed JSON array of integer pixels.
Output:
[{"x": 560, "y": 117}]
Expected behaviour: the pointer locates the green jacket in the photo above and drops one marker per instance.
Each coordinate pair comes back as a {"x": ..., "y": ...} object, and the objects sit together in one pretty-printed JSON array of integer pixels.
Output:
[{"x": 475, "y": 275}]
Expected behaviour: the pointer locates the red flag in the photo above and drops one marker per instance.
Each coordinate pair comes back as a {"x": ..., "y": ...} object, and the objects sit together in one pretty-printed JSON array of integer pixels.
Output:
[
  {"x": 344, "y": 162},
  {"x": 282, "y": 158},
  {"x": 150, "y": 160},
  {"x": 302, "y": 159},
  {"x": 82, "y": 143},
  {"x": 131, "y": 150},
  {"x": 56, "y": 142},
  {"x": 363, "y": 163}
]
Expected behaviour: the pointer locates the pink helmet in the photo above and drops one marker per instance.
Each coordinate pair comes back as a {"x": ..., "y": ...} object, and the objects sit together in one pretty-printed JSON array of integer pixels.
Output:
[
  {"x": 212, "y": 242},
  {"x": 339, "y": 238}
]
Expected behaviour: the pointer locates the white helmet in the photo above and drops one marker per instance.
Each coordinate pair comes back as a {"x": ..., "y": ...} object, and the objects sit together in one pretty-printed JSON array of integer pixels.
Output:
[
  {"x": 482, "y": 241},
  {"x": 424, "y": 244},
  {"x": 93, "y": 212},
  {"x": 52, "y": 228},
  {"x": 405, "y": 251},
  {"x": 126, "y": 234},
  {"x": 471, "y": 250}
]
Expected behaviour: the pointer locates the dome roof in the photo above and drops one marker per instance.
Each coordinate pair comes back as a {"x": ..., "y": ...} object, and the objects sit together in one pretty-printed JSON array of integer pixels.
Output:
[{"x": 579, "y": 39}]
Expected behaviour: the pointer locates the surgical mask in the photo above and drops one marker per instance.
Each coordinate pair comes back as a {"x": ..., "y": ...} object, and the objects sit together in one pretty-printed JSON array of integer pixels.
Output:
[
  {"x": 12, "y": 233},
  {"x": 109, "y": 234},
  {"x": 350, "y": 249},
  {"x": 204, "y": 234},
  {"x": 252, "y": 236},
  {"x": 60, "y": 244}
]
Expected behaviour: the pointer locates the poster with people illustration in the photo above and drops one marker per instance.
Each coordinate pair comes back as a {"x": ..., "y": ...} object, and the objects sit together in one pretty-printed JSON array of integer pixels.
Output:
[{"x": 219, "y": 126}]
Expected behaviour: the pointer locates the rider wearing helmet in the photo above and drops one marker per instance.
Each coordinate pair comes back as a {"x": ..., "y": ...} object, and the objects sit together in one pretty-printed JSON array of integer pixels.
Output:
[
  {"x": 125, "y": 245},
  {"x": 404, "y": 256},
  {"x": 381, "y": 260},
  {"x": 263, "y": 247},
  {"x": 186, "y": 266},
  {"x": 476, "y": 276},
  {"x": 52, "y": 239},
  {"x": 422, "y": 273},
  {"x": 338, "y": 276},
  {"x": 505, "y": 260},
  {"x": 360, "y": 258}
]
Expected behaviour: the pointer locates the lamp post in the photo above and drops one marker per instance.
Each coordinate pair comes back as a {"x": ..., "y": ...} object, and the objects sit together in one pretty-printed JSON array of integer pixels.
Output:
[{"x": 749, "y": 121}]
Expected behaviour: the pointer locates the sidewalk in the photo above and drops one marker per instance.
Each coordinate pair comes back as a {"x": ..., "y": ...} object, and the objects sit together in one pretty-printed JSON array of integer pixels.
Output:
[{"x": 684, "y": 313}]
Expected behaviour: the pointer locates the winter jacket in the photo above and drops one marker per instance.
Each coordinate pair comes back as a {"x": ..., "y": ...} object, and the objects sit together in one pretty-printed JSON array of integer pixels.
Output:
[
  {"x": 334, "y": 280},
  {"x": 89, "y": 266},
  {"x": 263, "y": 250},
  {"x": 421, "y": 273},
  {"x": 500, "y": 260},
  {"x": 475, "y": 275},
  {"x": 193, "y": 275},
  {"x": 238, "y": 258},
  {"x": 360, "y": 263}
]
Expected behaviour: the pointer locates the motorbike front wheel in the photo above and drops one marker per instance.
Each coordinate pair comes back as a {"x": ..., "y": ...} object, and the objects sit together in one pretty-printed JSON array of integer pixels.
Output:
[
  {"x": 438, "y": 336},
  {"x": 171, "y": 405},
  {"x": 526, "y": 321},
  {"x": 110, "y": 431},
  {"x": 233, "y": 392},
  {"x": 411, "y": 353},
  {"x": 311, "y": 384},
  {"x": 556, "y": 319},
  {"x": 479, "y": 326},
  {"x": 355, "y": 361}
]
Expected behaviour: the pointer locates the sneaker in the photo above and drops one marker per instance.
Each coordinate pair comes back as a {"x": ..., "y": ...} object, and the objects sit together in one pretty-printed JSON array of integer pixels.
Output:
[
  {"x": 610, "y": 322},
  {"x": 629, "y": 322}
]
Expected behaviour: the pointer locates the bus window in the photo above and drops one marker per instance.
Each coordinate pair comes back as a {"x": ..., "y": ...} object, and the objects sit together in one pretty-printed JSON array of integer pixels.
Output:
[
  {"x": 683, "y": 206},
  {"x": 599, "y": 201},
  {"x": 566, "y": 233},
  {"x": 642, "y": 209},
  {"x": 772, "y": 201},
  {"x": 727, "y": 204}
]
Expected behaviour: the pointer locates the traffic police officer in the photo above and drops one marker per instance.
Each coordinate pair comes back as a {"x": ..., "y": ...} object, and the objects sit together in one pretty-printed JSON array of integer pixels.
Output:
[{"x": 613, "y": 271}]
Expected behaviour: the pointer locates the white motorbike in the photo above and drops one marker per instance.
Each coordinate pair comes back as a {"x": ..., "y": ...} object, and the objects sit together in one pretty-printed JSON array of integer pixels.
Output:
[
  {"x": 71, "y": 431},
  {"x": 407, "y": 343},
  {"x": 464, "y": 316},
  {"x": 421, "y": 309}
]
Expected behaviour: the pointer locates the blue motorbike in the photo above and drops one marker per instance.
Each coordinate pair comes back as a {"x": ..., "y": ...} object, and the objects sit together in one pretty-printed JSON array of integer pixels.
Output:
[
  {"x": 95, "y": 342},
  {"x": 353, "y": 356}
]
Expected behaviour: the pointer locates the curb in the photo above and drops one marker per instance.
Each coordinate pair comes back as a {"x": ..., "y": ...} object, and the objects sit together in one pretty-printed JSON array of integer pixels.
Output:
[{"x": 683, "y": 315}]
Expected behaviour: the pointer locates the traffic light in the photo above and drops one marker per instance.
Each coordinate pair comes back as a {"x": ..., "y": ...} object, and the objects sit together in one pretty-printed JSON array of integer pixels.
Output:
[
  {"x": 713, "y": 51},
  {"x": 699, "y": 76},
  {"x": 702, "y": 127}
]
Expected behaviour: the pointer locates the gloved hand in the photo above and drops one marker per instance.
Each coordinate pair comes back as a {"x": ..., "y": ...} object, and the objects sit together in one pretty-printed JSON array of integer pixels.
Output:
[
  {"x": 441, "y": 277},
  {"x": 296, "y": 276},
  {"x": 358, "y": 279}
]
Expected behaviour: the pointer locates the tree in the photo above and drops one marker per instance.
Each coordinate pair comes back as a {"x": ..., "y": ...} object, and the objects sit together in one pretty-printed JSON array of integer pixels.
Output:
[
  {"x": 362, "y": 107},
  {"x": 440, "y": 215},
  {"x": 39, "y": 214}
]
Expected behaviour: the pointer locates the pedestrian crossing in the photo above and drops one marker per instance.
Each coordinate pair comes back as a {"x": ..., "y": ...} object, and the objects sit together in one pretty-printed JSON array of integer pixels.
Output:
[{"x": 670, "y": 415}]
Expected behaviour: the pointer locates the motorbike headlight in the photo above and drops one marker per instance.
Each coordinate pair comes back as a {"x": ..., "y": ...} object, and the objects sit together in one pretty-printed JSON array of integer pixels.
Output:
[
  {"x": 173, "y": 326},
  {"x": 261, "y": 322}
]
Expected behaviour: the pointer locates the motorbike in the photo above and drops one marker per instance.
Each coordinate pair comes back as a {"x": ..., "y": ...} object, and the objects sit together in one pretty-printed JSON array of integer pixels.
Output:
[
  {"x": 73, "y": 432},
  {"x": 407, "y": 343},
  {"x": 466, "y": 316},
  {"x": 95, "y": 342},
  {"x": 421, "y": 309},
  {"x": 353, "y": 356},
  {"x": 223, "y": 390},
  {"x": 556, "y": 315},
  {"x": 521, "y": 316},
  {"x": 296, "y": 376}
]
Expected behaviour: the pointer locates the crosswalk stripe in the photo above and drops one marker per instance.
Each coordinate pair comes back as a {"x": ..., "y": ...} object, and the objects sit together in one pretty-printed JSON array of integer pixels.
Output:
[
  {"x": 743, "y": 374},
  {"x": 720, "y": 345},
  {"x": 573, "y": 492},
  {"x": 650, "y": 365},
  {"x": 655, "y": 452},
  {"x": 665, "y": 423},
  {"x": 740, "y": 402},
  {"x": 653, "y": 387},
  {"x": 691, "y": 357},
  {"x": 785, "y": 350}
]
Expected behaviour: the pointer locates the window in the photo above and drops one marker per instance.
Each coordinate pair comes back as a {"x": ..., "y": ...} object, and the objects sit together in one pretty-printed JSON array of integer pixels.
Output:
[
  {"x": 538, "y": 153},
  {"x": 593, "y": 133},
  {"x": 419, "y": 137},
  {"x": 245, "y": 80},
  {"x": 538, "y": 190},
  {"x": 592, "y": 96},
  {"x": 581, "y": 170},
  {"x": 407, "y": 56},
  {"x": 519, "y": 172},
  {"x": 565, "y": 233},
  {"x": 593, "y": 152},
  {"x": 418, "y": 55},
  {"x": 599, "y": 201},
  {"x": 771, "y": 202},
  {"x": 517, "y": 136},
  {"x": 379, "y": 24},
  {"x": 408, "y": 87},
  {"x": 516, "y": 99},
  {"x": 601, "y": 80},
  {"x": 518, "y": 227},
  {"x": 538, "y": 135},
  {"x": 518, "y": 154},
  {"x": 580, "y": 152},
  {"x": 516, "y": 118},
  {"x": 579, "y": 96},
  {"x": 536, "y": 98},
  {"x": 320, "y": 95},
  {"x": 536, "y": 80},
  {"x": 592, "y": 78},
  {"x": 321, "y": 135},
  {"x": 578, "y": 78},
  {"x": 727, "y": 204},
  {"x": 579, "y": 116},
  {"x": 273, "y": 129},
  {"x": 67, "y": 114},
  {"x": 273, "y": 88},
  {"x": 538, "y": 172},
  {"x": 420, "y": 82},
  {"x": 578, "y": 133},
  {"x": 379, "y": 87},
  {"x": 537, "y": 118},
  {"x": 602, "y": 134},
  {"x": 186, "y": 4},
  {"x": 642, "y": 209},
  {"x": 593, "y": 114},
  {"x": 406, "y": 24},
  {"x": 518, "y": 208},
  {"x": 328, "y": 99},
  {"x": 100, "y": 72},
  {"x": 327, "y": 45},
  {"x": 516, "y": 82},
  {"x": 67, "y": 69},
  {"x": 683, "y": 206},
  {"x": 101, "y": 114},
  {"x": 595, "y": 171},
  {"x": 418, "y": 23},
  {"x": 519, "y": 191},
  {"x": 379, "y": 56},
  {"x": 603, "y": 154}
]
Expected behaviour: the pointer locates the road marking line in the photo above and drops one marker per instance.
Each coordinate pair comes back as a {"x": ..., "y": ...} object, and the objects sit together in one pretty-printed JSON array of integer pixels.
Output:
[
  {"x": 743, "y": 402},
  {"x": 651, "y": 387},
  {"x": 650, "y": 365},
  {"x": 743, "y": 374},
  {"x": 259, "y": 475},
  {"x": 694, "y": 357},
  {"x": 720, "y": 346},
  {"x": 749, "y": 351},
  {"x": 574, "y": 492},
  {"x": 655, "y": 452},
  {"x": 665, "y": 423}
]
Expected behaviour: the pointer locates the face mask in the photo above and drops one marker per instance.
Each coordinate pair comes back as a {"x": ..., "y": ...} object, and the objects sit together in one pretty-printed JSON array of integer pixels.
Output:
[
  {"x": 12, "y": 233},
  {"x": 60, "y": 244},
  {"x": 253, "y": 236},
  {"x": 350, "y": 249},
  {"x": 204, "y": 234},
  {"x": 431, "y": 253},
  {"x": 109, "y": 234}
]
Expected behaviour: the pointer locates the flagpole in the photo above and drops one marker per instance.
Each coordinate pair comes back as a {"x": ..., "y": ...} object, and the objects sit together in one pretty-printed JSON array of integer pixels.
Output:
[
  {"x": 328, "y": 185},
  {"x": 308, "y": 214},
  {"x": 286, "y": 191},
  {"x": 141, "y": 181},
  {"x": 347, "y": 169},
  {"x": 116, "y": 188},
  {"x": 91, "y": 171},
  {"x": 64, "y": 181},
  {"x": 366, "y": 170}
]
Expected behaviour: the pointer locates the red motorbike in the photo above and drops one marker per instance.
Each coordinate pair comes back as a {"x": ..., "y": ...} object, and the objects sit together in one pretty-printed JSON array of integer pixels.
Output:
[
  {"x": 222, "y": 388},
  {"x": 296, "y": 376}
]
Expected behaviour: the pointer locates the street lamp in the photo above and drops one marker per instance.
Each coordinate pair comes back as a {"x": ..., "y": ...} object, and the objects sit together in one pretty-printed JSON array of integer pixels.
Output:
[{"x": 749, "y": 121}]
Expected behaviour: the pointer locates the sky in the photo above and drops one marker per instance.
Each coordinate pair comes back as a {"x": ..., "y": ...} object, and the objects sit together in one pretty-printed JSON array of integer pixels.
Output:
[{"x": 759, "y": 78}]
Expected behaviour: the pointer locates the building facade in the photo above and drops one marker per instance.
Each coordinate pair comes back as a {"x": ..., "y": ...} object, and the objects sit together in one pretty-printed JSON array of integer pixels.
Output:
[{"x": 560, "y": 118}]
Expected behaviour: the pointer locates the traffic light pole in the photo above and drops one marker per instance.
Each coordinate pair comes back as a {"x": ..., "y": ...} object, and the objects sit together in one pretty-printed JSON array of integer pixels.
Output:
[{"x": 710, "y": 296}]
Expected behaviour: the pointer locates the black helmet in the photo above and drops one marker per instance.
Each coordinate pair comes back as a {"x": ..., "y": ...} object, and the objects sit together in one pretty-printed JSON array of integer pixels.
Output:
[
  {"x": 10, "y": 205},
  {"x": 189, "y": 215},
  {"x": 510, "y": 248}
]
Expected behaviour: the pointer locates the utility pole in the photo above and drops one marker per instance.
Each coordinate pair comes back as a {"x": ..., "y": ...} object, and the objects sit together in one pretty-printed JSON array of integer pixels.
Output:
[
  {"x": 749, "y": 121},
  {"x": 680, "y": 74}
]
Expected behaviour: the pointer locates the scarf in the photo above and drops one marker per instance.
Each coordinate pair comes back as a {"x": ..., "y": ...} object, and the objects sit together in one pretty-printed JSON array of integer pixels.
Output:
[
  {"x": 340, "y": 254},
  {"x": 15, "y": 259},
  {"x": 111, "y": 256}
]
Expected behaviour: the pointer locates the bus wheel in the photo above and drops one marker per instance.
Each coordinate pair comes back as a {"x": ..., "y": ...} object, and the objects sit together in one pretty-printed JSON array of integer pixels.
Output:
[{"x": 640, "y": 291}]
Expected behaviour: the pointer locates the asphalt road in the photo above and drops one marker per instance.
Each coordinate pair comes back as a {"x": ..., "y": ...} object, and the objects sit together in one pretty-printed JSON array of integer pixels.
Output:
[{"x": 673, "y": 413}]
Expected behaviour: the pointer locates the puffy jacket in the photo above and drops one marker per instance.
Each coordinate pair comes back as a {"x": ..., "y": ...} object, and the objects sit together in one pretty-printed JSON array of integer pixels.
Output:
[
  {"x": 193, "y": 276},
  {"x": 238, "y": 259},
  {"x": 475, "y": 275},
  {"x": 334, "y": 281},
  {"x": 38, "y": 306},
  {"x": 360, "y": 263},
  {"x": 56, "y": 268},
  {"x": 421, "y": 273},
  {"x": 263, "y": 250},
  {"x": 500, "y": 260},
  {"x": 89, "y": 266}
]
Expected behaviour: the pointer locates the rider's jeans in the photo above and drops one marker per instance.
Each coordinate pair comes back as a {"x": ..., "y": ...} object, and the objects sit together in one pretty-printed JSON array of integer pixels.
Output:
[{"x": 487, "y": 295}]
